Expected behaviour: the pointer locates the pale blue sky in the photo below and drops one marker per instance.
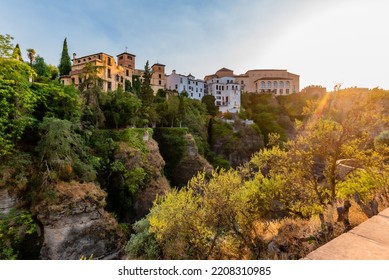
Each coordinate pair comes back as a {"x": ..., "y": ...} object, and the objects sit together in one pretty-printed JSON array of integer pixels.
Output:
[{"x": 325, "y": 42}]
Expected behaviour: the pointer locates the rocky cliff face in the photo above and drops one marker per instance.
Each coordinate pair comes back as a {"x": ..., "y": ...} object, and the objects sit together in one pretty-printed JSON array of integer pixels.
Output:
[
  {"x": 235, "y": 143},
  {"x": 151, "y": 160},
  {"x": 190, "y": 164},
  {"x": 76, "y": 225},
  {"x": 7, "y": 201}
]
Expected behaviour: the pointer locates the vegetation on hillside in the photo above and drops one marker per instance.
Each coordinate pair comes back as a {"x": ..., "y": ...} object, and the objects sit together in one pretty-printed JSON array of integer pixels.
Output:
[{"x": 51, "y": 133}]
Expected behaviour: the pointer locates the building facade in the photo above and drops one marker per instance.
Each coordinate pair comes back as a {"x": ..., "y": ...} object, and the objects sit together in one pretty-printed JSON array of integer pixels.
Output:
[
  {"x": 195, "y": 88},
  {"x": 276, "y": 81},
  {"x": 226, "y": 90},
  {"x": 113, "y": 74},
  {"x": 158, "y": 78}
]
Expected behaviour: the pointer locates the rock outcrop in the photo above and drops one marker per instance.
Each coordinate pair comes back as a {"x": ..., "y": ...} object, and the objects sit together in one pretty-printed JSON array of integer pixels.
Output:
[
  {"x": 7, "y": 201},
  {"x": 151, "y": 160},
  {"x": 190, "y": 164},
  {"x": 75, "y": 224}
]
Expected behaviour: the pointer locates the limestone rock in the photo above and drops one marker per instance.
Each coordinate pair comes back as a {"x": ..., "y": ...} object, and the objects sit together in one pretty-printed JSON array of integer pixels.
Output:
[{"x": 76, "y": 225}]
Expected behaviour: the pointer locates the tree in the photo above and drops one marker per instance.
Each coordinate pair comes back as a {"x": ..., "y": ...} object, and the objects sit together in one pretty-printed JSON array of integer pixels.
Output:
[
  {"x": 6, "y": 45},
  {"x": 65, "y": 65},
  {"x": 17, "y": 102},
  {"x": 90, "y": 87},
  {"x": 31, "y": 55},
  {"x": 41, "y": 67},
  {"x": 120, "y": 108},
  {"x": 17, "y": 54},
  {"x": 209, "y": 101},
  {"x": 224, "y": 222},
  {"x": 146, "y": 95},
  {"x": 61, "y": 151}
]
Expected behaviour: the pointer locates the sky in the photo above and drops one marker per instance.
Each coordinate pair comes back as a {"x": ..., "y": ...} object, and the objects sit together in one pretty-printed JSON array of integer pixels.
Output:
[{"x": 325, "y": 42}]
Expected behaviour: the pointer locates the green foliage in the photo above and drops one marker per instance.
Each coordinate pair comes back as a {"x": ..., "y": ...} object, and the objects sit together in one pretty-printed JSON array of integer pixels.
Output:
[
  {"x": 6, "y": 45},
  {"x": 121, "y": 109},
  {"x": 124, "y": 169},
  {"x": 65, "y": 65},
  {"x": 17, "y": 102},
  {"x": 15, "y": 171},
  {"x": 90, "y": 88},
  {"x": 62, "y": 151},
  {"x": 40, "y": 67},
  {"x": 267, "y": 114},
  {"x": 209, "y": 102},
  {"x": 142, "y": 244},
  {"x": 14, "y": 228},
  {"x": 57, "y": 100},
  {"x": 17, "y": 54},
  {"x": 223, "y": 216}
]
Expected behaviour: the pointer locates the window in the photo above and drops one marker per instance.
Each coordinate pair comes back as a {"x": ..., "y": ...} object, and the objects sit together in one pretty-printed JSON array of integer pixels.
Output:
[
  {"x": 269, "y": 84},
  {"x": 281, "y": 91},
  {"x": 109, "y": 73},
  {"x": 159, "y": 68},
  {"x": 197, "y": 84},
  {"x": 121, "y": 79},
  {"x": 281, "y": 85},
  {"x": 159, "y": 76},
  {"x": 217, "y": 87},
  {"x": 117, "y": 77},
  {"x": 275, "y": 84},
  {"x": 287, "y": 91},
  {"x": 241, "y": 82},
  {"x": 180, "y": 80},
  {"x": 176, "y": 87},
  {"x": 109, "y": 61},
  {"x": 262, "y": 84},
  {"x": 287, "y": 84},
  {"x": 197, "y": 90},
  {"x": 226, "y": 87},
  {"x": 109, "y": 86},
  {"x": 121, "y": 57},
  {"x": 160, "y": 82},
  {"x": 127, "y": 72}
]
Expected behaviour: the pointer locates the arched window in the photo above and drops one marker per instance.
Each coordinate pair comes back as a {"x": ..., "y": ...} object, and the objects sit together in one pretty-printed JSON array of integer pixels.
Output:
[
  {"x": 269, "y": 84},
  {"x": 281, "y": 84},
  {"x": 275, "y": 84},
  {"x": 287, "y": 84},
  {"x": 262, "y": 84}
]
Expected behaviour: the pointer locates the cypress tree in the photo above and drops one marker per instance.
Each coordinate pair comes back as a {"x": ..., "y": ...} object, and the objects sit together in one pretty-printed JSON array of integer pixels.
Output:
[
  {"x": 17, "y": 53},
  {"x": 65, "y": 65}
]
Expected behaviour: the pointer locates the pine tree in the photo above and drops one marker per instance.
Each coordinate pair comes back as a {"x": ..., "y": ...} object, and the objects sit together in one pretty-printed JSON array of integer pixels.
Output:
[
  {"x": 17, "y": 53},
  {"x": 65, "y": 65}
]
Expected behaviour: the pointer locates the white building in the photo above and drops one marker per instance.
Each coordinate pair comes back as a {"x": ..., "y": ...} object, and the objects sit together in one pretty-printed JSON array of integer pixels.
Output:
[
  {"x": 180, "y": 83},
  {"x": 226, "y": 91}
]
